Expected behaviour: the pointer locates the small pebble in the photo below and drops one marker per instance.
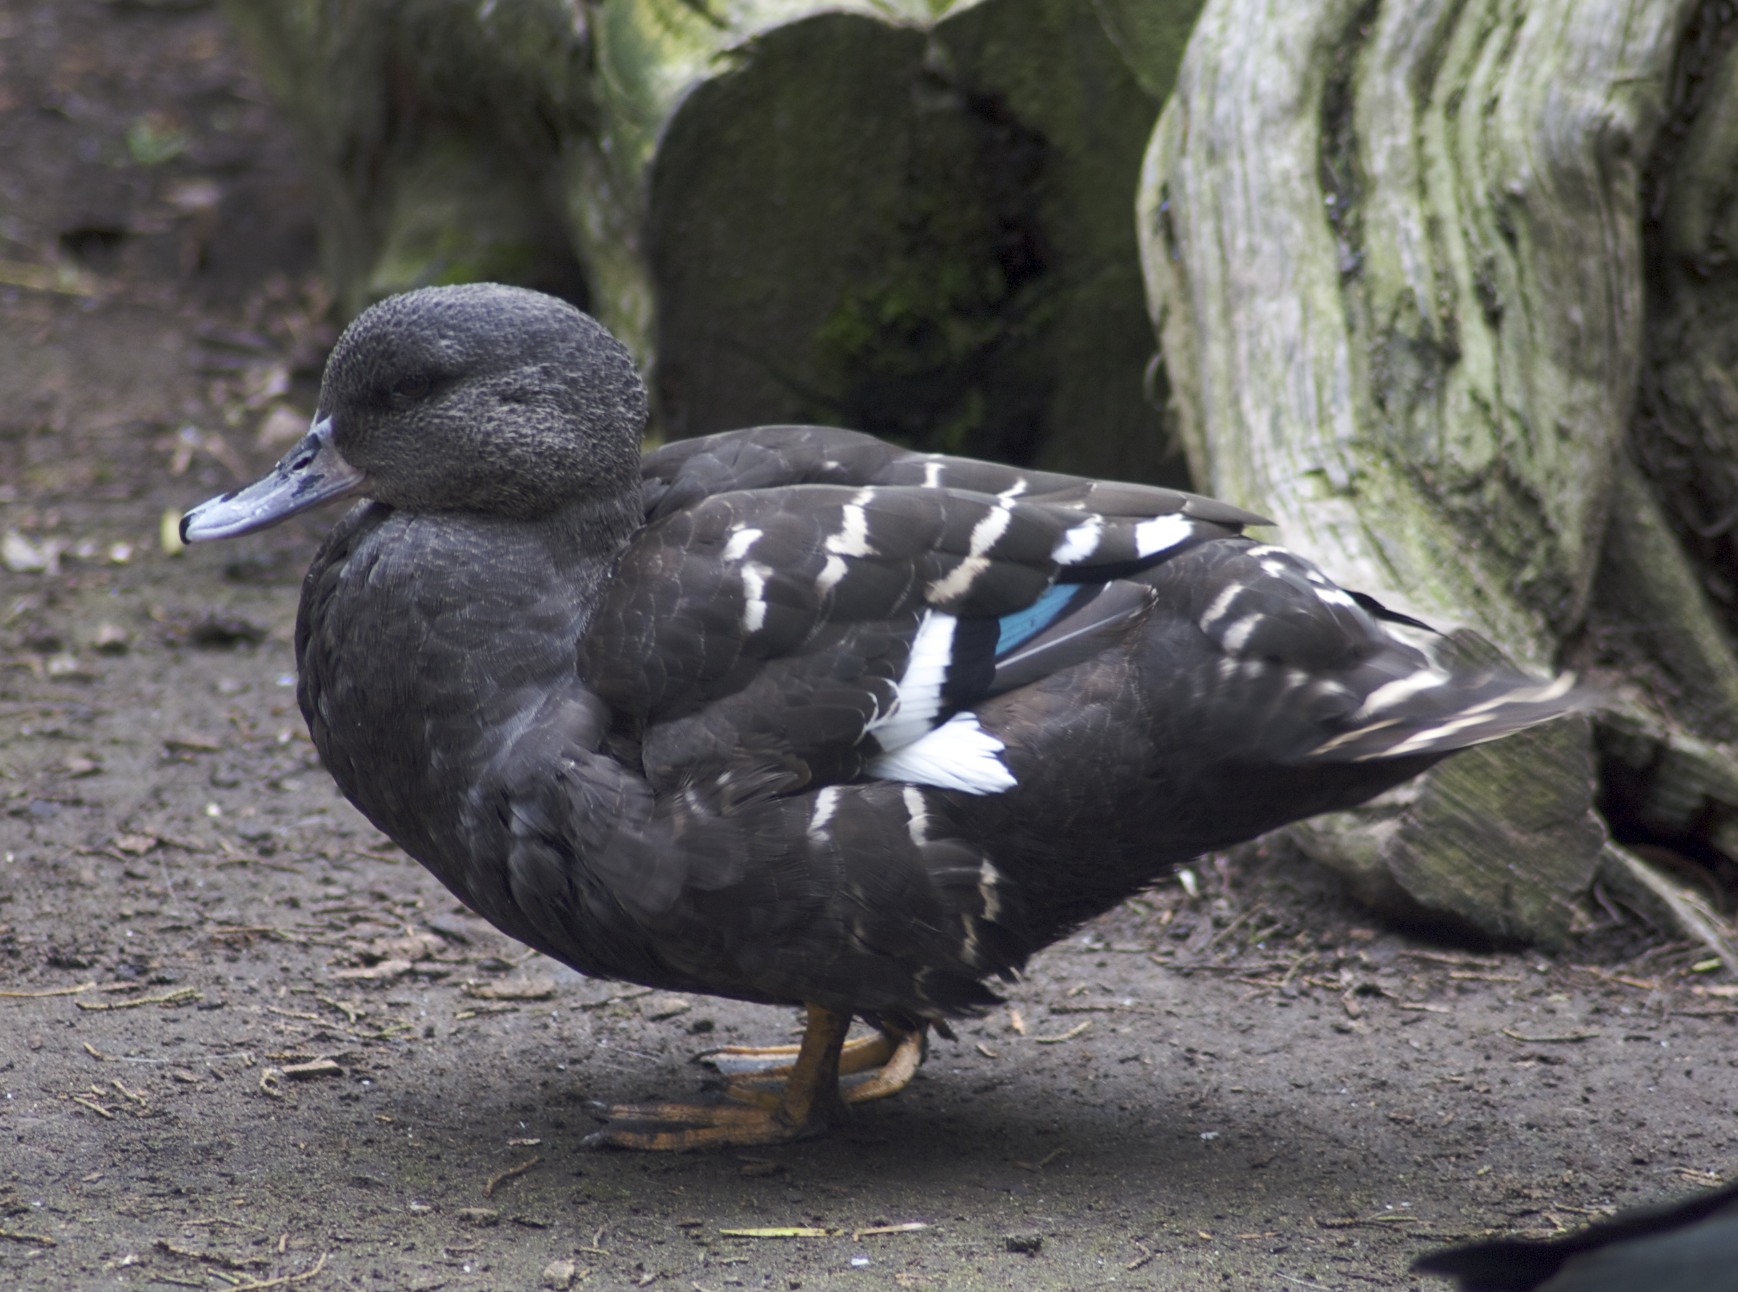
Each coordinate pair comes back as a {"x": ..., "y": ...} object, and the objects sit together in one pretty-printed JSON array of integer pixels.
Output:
[
  {"x": 67, "y": 668},
  {"x": 558, "y": 1274},
  {"x": 23, "y": 556}
]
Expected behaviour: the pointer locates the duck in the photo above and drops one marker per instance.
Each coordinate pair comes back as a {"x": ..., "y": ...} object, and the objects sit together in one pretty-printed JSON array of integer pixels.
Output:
[
  {"x": 791, "y": 714},
  {"x": 1686, "y": 1245}
]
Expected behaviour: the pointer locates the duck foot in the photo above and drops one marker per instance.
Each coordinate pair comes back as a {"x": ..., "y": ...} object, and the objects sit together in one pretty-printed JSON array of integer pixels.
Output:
[
  {"x": 678, "y": 1127},
  {"x": 779, "y": 1094},
  {"x": 870, "y": 1067}
]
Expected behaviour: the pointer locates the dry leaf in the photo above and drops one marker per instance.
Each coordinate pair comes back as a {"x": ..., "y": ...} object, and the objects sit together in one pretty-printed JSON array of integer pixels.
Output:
[{"x": 532, "y": 987}]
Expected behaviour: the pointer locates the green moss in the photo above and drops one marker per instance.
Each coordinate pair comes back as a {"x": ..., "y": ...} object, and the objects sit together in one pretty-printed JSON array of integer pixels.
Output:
[
  {"x": 153, "y": 140},
  {"x": 926, "y": 235},
  {"x": 460, "y": 212},
  {"x": 914, "y": 347}
]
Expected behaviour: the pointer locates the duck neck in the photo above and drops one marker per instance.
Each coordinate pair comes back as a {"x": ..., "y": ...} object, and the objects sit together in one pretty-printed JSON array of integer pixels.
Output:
[{"x": 596, "y": 529}]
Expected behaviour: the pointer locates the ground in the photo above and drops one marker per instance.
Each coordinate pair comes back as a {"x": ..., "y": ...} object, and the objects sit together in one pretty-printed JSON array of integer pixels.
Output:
[{"x": 244, "y": 1043}]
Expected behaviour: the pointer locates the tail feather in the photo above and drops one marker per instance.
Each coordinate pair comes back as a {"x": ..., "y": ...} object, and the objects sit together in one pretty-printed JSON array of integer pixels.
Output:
[{"x": 1436, "y": 712}]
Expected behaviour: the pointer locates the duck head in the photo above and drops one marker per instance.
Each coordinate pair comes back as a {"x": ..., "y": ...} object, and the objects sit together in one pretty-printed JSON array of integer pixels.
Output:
[{"x": 479, "y": 399}]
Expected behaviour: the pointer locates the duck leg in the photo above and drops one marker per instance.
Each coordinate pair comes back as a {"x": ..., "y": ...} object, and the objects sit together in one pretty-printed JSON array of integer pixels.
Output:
[
  {"x": 870, "y": 1067},
  {"x": 895, "y": 1071},
  {"x": 807, "y": 1103}
]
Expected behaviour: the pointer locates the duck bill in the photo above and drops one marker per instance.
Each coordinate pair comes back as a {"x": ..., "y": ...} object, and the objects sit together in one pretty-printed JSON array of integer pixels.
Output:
[{"x": 311, "y": 473}]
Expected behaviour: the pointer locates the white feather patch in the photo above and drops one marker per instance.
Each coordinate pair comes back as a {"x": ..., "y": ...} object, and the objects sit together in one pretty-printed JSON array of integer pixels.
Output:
[
  {"x": 917, "y": 694},
  {"x": 991, "y": 527},
  {"x": 1555, "y": 689},
  {"x": 1080, "y": 542},
  {"x": 988, "y": 878},
  {"x": 740, "y": 541},
  {"x": 1161, "y": 532},
  {"x": 1221, "y": 606},
  {"x": 956, "y": 581},
  {"x": 1237, "y": 636},
  {"x": 754, "y": 576},
  {"x": 853, "y": 536},
  {"x": 1430, "y": 737},
  {"x": 1400, "y": 690},
  {"x": 830, "y": 574},
  {"x": 826, "y": 803},
  {"x": 958, "y": 755},
  {"x": 916, "y": 815},
  {"x": 1326, "y": 590}
]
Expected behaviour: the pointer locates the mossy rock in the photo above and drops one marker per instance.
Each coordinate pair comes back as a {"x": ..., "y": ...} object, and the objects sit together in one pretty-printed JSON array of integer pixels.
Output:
[{"x": 924, "y": 234}]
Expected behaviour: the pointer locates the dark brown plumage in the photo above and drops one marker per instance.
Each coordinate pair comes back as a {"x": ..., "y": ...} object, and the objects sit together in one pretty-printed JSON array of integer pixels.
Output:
[{"x": 791, "y": 714}]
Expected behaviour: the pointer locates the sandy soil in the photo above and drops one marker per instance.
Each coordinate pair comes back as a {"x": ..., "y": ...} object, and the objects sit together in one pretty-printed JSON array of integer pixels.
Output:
[{"x": 245, "y": 1044}]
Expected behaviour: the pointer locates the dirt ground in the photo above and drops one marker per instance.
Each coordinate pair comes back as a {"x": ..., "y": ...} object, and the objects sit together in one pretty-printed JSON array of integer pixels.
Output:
[{"x": 244, "y": 1043}]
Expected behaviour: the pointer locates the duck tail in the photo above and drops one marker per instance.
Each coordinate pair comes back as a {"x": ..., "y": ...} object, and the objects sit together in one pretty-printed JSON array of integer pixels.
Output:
[{"x": 1433, "y": 712}]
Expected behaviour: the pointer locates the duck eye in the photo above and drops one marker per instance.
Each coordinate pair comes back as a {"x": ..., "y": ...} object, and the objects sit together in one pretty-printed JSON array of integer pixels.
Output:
[{"x": 410, "y": 389}]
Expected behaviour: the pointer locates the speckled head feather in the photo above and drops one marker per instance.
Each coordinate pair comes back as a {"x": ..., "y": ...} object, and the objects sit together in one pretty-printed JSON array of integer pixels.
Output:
[{"x": 485, "y": 398}]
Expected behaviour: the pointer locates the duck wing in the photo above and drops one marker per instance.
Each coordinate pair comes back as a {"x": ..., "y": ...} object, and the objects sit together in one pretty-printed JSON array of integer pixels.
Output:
[
  {"x": 769, "y": 639},
  {"x": 678, "y": 475}
]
